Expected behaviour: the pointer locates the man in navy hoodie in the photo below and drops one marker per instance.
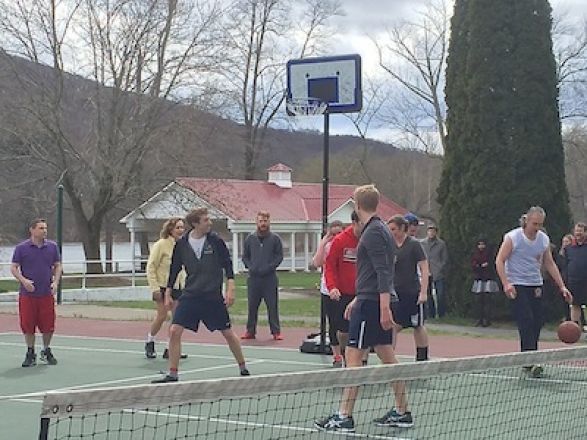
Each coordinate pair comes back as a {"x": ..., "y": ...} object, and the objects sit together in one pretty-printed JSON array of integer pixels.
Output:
[{"x": 206, "y": 259}]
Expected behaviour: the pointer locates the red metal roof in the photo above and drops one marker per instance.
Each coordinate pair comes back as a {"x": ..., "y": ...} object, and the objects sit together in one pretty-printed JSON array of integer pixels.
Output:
[{"x": 242, "y": 199}]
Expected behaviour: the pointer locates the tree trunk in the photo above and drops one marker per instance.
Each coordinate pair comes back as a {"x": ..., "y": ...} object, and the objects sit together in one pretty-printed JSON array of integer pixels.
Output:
[
  {"x": 109, "y": 243},
  {"x": 91, "y": 241}
]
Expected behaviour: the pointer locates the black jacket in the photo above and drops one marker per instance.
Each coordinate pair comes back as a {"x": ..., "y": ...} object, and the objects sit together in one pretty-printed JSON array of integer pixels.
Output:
[{"x": 204, "y": 275}]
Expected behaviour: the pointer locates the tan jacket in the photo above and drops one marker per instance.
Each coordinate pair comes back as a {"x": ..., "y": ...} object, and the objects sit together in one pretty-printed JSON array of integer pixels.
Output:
[{"x": 159, "y": 264}]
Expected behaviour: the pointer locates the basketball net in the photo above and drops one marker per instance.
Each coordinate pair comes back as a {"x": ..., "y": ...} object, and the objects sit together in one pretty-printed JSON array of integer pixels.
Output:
[{"x": 305, "y": 106}]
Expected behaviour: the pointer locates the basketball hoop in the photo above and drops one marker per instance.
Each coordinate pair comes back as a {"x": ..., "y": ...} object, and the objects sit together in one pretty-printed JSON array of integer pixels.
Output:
[{"x": 305, "y": 106}]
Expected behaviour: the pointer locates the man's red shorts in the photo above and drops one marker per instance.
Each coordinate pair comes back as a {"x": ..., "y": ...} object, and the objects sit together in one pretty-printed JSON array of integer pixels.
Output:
[{"x": 36, "y": 311}]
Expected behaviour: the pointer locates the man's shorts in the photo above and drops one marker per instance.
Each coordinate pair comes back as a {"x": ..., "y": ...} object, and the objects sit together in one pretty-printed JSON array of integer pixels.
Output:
[
  {"x": 191, "y": 309},
  {"x": 365, "y": 328},
  {"x": 579, "y": 290},
  {"x": 407, "y": 312},
  {"x": 335, "y": 312},
  {"x": 36, "y": 311},
  {"x": 160, "y": 296}
]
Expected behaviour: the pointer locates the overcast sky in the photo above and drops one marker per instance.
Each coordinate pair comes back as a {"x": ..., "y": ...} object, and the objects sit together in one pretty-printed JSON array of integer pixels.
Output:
[{"x": 369, "y": 18}]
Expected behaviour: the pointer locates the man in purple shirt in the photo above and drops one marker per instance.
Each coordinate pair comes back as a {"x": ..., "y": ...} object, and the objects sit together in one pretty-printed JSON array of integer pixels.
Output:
[{"x": 36, "y": 264}]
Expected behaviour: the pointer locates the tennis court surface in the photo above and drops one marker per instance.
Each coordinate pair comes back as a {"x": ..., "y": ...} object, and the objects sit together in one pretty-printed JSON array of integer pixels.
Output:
[{"x": 476, "y": 398}]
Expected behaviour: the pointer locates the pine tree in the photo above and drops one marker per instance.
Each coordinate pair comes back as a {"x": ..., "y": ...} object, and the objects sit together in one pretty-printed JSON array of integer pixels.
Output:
[{"x": 505, "y": 150}]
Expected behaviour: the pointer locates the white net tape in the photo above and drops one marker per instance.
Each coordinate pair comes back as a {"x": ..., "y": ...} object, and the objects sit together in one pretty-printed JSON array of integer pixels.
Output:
[{"x": 306, "y": 107}]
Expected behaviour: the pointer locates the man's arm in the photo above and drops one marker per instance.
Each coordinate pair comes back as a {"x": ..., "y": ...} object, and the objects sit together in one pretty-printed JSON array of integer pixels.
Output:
[
  {"x": 378, "y": 255},
  {"x": 176, "y": 266},
  {"x": 320, "y": 256},
  {"x": 424, "y": 273},
  {"x": 57, "y": 271},
  {"x": 331, "y": 269},
  {"x": 16, "y": 273},
  {"x": 226, "y": 262},
  {"x": 247, "y": 252},
  {"x": 550, "y": 266},
  {"x": 505, "y": 250},
  {"x": 277, "y": 253}
]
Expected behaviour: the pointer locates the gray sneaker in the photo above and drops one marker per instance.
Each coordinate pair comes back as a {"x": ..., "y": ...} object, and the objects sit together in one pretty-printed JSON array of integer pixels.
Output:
[
  {"x": 395, "y": 419},
  {"x": 336, "y": 422},
  {"x": 47, "y": 357},
  {"x": 30, "y": 360}
]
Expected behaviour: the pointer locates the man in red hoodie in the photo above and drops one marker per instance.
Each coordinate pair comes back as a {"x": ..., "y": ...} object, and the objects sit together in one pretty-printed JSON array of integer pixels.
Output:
[{"x": 341, "y": 275}]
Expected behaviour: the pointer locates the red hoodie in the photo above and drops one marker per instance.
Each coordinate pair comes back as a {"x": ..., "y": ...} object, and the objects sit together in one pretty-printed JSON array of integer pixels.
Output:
[{"x": 341, "y": 262}]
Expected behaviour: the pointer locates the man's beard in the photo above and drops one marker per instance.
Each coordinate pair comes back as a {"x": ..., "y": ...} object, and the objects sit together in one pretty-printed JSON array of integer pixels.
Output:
[{"x": 263, "y": 232}]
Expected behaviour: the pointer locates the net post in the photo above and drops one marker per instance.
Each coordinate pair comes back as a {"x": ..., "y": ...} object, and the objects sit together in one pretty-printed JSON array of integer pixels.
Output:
[{"x": 44, "y": 428}]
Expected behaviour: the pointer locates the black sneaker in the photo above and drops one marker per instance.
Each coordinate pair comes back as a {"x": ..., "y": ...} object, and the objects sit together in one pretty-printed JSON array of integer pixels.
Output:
[
  {"x": 166, "y": 379},
  {"x": 166, "y": 355},
  {"x": 395, "y": 419},
  {"x": 150, "y": 350},
  {"x": 47, "y": 357},
  {"x": 245, "y": 372},
  {"x": 336, "y": 422},
  {"x": 30, "y": 359}
]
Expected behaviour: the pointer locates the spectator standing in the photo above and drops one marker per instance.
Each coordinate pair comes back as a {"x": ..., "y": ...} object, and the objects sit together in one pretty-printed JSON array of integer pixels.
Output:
[
  {"x": 437, "y": 254},
  {"x": 484, "y": 284},
  {"x": 262, "y": 255}
]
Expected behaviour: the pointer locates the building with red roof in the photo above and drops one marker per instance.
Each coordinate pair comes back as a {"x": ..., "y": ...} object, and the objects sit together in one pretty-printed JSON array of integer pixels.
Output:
[{"x": 295, "y": 208}]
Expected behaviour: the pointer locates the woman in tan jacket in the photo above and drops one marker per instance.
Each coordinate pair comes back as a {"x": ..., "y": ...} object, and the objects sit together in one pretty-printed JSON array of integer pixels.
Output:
[{"x": 157, "y": 275}]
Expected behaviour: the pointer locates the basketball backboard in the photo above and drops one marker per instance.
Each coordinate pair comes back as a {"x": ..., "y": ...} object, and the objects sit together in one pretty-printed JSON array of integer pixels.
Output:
[{"x": 333, "y": 80}]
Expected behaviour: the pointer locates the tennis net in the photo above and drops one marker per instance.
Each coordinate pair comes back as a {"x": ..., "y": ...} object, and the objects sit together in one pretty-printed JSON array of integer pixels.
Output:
[{"x": 491, "y": 397}]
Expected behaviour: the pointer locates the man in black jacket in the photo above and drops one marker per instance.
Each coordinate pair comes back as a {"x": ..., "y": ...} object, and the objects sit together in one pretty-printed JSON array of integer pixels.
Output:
[
  {"x": 262, "y": 254},
  {"x": 206, "y": 259}
]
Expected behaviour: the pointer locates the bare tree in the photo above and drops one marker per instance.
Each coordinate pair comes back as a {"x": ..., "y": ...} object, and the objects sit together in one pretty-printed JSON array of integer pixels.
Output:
[
  {"x": 261, "y": 36},
  {"x": 137, "y": 53},
  {"x": 570, "y": 51},
  {"x": 575, "y": 142},
  {"x": 413, "y": 53}
]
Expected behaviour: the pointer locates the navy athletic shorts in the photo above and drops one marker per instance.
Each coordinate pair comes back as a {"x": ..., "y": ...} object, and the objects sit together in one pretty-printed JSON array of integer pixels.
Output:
[
  {"x": 365, "y": 329},
  {"x": 192, "y": 309}
]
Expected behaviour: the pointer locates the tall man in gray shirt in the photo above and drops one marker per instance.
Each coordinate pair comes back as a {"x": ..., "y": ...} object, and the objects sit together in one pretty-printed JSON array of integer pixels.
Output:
[
  {"x": 370, "y": 315},
  {"x": 262, "y": 255},
  {"x": 437, "y": 254}
]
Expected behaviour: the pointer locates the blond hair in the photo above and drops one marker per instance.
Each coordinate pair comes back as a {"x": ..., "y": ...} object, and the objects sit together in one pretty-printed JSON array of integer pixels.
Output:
[
  {"x": 367, "y": 198},
  {"x": 169, "y": 226}
]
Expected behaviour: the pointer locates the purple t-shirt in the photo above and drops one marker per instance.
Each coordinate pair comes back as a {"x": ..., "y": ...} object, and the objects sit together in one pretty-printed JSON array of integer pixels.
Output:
[{"x": 36, "y": 264}]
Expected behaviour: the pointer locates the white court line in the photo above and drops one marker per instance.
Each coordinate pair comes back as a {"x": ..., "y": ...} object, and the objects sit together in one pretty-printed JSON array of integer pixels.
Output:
[
  {"x": 198, "y": 344},
  {"x": 202, "y": 356},
  {"x": 538, "y": 379},
  {"x": 26, "y": 400},
  {"x": 264, "y": 425},
  {"x": 109, "y": 382}
]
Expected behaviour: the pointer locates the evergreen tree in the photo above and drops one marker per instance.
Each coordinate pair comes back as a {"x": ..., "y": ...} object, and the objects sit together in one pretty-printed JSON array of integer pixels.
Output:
[{"x": 505, "y": 150}]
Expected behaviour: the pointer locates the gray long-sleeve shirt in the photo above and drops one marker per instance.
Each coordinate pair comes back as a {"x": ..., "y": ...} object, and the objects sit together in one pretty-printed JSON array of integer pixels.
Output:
[
  {"x": 375, "y": 260},
  {"x": 262, "y": 255},
  {"x": 437, "y": 257}
]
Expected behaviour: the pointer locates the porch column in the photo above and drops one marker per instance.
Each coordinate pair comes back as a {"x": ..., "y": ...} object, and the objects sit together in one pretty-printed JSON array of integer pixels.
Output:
[
  {"x": 235, "y": 258},
  {"x": 306, "y": 252},
  {"x": 292, "y": 249},
  {"x": 132, "y": 252}
]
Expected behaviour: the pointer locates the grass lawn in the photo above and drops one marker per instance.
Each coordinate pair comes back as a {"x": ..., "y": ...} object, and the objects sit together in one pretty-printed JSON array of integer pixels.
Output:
[{"x": 287, "y": 280}]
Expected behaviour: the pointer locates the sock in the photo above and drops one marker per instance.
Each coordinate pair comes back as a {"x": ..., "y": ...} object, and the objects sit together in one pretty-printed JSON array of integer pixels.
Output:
[
  {"x": 31, "y": 350},
  {"x": 421, "y": 353},
  {"x": 337, "y": 358},
  {"x": 242, "y": 366},
  {"x": 173, "y": 372},
  {"x": 150, "y": 337}
]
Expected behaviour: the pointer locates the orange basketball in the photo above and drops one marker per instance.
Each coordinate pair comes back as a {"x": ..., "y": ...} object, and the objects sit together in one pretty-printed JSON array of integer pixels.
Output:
[{"x": 569, "y": 332}]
